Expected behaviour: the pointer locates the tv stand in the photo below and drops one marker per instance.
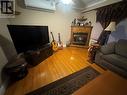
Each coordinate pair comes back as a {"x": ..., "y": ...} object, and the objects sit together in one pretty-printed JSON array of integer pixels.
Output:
[{"x": 35, "y": 57}]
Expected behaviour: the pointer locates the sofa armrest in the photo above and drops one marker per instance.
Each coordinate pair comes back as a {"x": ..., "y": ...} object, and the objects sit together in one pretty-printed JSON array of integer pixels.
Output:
[{"x": 108, "y": 48}]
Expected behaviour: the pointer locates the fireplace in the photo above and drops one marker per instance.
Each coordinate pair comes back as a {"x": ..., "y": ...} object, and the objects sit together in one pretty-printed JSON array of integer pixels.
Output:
[
  {"x": 80, "y": 35},
  {"x": 80, "y": 38}
]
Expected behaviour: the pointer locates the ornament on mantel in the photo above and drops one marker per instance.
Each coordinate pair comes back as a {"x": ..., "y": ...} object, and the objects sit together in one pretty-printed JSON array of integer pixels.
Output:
[{"x": 81, "y": 21}]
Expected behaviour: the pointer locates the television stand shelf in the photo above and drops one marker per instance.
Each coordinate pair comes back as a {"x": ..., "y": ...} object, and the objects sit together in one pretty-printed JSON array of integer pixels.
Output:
[{"x": 35, "y": 57}]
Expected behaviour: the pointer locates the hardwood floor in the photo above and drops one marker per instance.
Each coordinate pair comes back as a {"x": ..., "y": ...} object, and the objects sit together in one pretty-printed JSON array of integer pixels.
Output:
[
  {"x": 107, "y": 83},
  {"x": 60, "y": 64}
]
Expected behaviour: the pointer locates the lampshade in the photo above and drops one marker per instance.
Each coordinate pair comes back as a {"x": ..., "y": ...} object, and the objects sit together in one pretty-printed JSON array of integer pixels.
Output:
[{"x": 111, "y": 27}]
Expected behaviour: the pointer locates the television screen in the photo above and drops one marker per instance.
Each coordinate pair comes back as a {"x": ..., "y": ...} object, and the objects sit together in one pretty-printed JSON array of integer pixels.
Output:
[{"x": 28, "y": 37}]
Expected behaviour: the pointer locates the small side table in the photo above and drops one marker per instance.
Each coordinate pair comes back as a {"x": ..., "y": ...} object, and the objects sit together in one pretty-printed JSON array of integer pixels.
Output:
[
  {"x": 92, "y": 52},
  {"x": 16, "y": 68}
]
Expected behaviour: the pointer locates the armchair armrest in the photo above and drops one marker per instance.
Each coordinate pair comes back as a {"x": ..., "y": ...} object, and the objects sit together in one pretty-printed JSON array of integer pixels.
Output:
[{"x": 108, "y": 48}]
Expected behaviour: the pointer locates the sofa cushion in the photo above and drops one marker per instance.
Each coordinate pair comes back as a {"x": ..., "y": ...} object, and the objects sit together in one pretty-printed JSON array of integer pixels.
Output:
[
  {"x": 116, "y": 60},
  {"x": 121, "y": 47},
  {"x": 108, "y": 48}
]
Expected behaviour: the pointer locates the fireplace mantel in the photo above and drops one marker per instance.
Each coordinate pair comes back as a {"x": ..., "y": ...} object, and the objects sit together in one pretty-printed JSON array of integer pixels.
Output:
[{"x": 80, "y": 35}]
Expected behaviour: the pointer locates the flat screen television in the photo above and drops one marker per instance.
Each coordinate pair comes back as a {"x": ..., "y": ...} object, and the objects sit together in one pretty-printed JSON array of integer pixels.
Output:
[{"x": 28, "y": 37}]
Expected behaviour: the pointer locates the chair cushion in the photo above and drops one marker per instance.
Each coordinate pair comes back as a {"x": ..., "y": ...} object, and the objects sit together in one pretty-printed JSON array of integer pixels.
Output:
[
  {"x": 116, "y": 60},
  {"x": 121, "y": 47}
]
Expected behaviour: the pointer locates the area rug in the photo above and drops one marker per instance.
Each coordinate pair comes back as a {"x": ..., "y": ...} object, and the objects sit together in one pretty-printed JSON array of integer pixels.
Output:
[{"x": 68, "y": 84}]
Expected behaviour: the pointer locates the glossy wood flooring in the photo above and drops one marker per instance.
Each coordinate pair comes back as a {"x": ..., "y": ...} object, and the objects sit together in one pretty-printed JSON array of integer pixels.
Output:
[{"x": 60, "y": 64}]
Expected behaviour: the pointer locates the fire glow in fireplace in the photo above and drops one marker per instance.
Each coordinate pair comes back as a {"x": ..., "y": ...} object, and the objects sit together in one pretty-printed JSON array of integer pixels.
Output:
[{"x": 80, "y": 38}]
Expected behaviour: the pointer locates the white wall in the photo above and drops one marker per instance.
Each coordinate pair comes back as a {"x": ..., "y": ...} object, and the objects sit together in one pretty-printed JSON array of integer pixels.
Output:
[
  {"x": 91, "y": 16},
  {"x": 59, "y": 21},
  {"x": 7, "y": 50},
  {"x": 3, "y": 32},
  {"x": 97, "y": 28}
]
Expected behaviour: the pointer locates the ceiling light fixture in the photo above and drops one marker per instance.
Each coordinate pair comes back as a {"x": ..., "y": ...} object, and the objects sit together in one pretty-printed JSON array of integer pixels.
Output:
[{"x": 67, "y": 2}]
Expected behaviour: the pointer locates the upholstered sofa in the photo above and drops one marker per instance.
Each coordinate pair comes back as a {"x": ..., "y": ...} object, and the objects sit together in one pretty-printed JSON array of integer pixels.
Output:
[{"x": 113, "y": 56}]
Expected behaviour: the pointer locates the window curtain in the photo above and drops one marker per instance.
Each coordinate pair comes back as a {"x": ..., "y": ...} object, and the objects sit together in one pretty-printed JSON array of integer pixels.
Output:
[{"x": 115, "y": 12}]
